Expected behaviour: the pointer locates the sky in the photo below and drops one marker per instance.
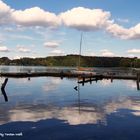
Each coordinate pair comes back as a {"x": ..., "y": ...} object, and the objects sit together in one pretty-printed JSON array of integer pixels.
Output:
[{"x": 41, "y": 28}]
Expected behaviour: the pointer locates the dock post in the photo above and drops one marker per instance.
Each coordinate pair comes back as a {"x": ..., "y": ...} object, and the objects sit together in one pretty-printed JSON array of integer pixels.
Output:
[
  {"x": 111, "y": 77},
  {"x": 83, "y": 81},
  {"x": 138, "y": 80},
  {"x": 4, "y": 84},
  {"x": 61, "y": 74},
  {"x": 90, "y": 80}
]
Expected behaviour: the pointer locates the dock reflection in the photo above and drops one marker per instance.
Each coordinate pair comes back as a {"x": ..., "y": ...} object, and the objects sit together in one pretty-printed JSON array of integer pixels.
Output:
[
  {"x": 3, "y": 90},
  {"x": 4, "y": 94}
]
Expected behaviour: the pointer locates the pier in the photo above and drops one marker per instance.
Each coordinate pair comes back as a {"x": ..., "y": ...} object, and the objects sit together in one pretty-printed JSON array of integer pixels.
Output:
[
  {"x": 84, "y": 77},
  {"x": 70, "y": 74}
]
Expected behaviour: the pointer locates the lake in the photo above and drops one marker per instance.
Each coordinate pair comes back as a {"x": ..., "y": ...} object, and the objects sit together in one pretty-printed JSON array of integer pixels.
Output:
[
  {"x": 50, "y": 108},
  {"x": 20, "y": 69},
  {"x": 39, "y": 69}
]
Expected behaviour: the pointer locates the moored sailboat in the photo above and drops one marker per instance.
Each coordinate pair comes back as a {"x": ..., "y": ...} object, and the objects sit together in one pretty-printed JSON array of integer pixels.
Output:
[{"x": 82, "y": 70}]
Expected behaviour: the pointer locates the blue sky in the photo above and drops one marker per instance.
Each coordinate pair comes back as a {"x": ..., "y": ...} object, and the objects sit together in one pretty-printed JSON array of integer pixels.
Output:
[{"x": 41, "y": 28}]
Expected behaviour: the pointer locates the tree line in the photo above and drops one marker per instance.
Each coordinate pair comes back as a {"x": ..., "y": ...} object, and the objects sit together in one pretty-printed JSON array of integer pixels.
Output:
[{"x": 72, "y": 60}]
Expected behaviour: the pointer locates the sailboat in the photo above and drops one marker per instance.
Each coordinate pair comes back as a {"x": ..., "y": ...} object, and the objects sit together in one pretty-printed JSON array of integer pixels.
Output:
[{"x": 82, "y": 70}]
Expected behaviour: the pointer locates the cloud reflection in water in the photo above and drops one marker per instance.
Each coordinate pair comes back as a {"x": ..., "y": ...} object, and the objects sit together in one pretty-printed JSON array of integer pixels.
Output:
[
  {"x": 90, "y": 112},
  {"x": 87, "y": 115}
]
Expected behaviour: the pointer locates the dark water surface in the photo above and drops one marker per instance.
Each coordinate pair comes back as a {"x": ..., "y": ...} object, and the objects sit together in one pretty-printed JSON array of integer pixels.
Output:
[{"x": 48, "y": 108}]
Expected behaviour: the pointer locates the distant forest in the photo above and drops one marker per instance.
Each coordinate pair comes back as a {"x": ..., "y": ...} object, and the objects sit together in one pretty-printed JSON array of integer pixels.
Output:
[{"x": 72, "y": 60}]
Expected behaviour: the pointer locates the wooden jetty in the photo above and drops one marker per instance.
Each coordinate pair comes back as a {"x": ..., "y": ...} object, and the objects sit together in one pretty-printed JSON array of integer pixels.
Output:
[
  {"x": 68, "y": 74},
  {"x": 83, "y": 77}
]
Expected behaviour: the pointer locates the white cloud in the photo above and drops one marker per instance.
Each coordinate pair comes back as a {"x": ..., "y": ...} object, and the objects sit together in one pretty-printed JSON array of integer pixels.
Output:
[
  {"x": 51, "y": 44},
  {"x": 106, "y": 52},
  {"x": 56, "y": 53},
  {"x": 124, "y": 33},
  {"x": 16, "y": 57},
  {"x": 85, "y": 19},
  {"x": 35, "y": 17},
  {"x": 134, "y": 51},
  {"x": 92, "y": 19},
  {"x": 80, "y": 18},
  {"x": 5, "y": 13},
  {"x": 23, "y": 49},
  {"x": 135, "y": 32},
  {"x": 90, "y": 53},
  {"x": 118, "y": 31},
  {"x": 4, "y": 49}
]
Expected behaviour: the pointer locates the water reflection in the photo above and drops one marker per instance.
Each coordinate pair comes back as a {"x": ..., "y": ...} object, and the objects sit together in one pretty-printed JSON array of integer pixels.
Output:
[
  {"x": 46, "y": 99},
  {"x": 4, "y": 94},
  {"x": 3, "y": 89},
  {"x": 76, "y": 112},
  {"x": 52, "y": 84},
  {"x": 77, "y": 88},
  {"x": 74, "y": 115}
]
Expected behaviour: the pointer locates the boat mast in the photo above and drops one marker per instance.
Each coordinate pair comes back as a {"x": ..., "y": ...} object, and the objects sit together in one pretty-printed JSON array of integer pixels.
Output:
[{"x": 80, "y": 51}]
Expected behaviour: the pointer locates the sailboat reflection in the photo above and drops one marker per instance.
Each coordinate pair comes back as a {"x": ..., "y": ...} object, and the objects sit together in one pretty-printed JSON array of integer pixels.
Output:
[
  {"x": 77, "y": 88},
  {"x": 3, "y": 90}
]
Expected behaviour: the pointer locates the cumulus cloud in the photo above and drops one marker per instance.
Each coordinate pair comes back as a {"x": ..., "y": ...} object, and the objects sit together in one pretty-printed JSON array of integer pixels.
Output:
[
  {"x": 90, "y": 53},
  {"x": 79, "y": 18},
  {"x": 5, "y": 13},
  {"x": 51, "y": 44},
  {"x": 16, "y": 57},
  {"x": 134, "y": 51},
  {"x": 56, "y": 53},
  {"x": 35, "y": 17},
  {"x": 124, "y": 33},
  {"x": 22, "y": 49},
  {"x": 106, "y": 52},
  {"x": 118, "y": 31},
  {"x": 85, "y": 19},
  {"x": 135, "y": 32},
  {"x": 4, "y": 49}
]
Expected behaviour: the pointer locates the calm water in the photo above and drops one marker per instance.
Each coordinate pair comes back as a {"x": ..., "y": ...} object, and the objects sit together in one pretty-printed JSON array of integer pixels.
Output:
[
  {"x": 18, "y": 69},
  {"x": 7, "y": 69},
  {"x": 48, "y": 108}
]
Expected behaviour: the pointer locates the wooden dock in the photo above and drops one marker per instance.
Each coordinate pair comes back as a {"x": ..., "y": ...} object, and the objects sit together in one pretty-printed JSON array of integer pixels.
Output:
[
  {"x": 82, "y": 77},
  {"x": 68, "y": 74}
]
